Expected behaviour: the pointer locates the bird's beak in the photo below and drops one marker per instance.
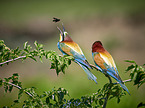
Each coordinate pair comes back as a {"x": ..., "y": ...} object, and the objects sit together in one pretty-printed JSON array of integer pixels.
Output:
[
  {"x": 63, "y": 27},
  {"x": 61, "y": 34},
  {"x": 59, "y": 30}
]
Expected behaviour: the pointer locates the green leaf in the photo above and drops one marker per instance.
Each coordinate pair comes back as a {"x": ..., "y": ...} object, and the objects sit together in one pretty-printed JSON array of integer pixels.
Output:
[
  {"x": 6, "y": 88},
  {"x": 40, "y": 46},
  {"x": 15, "y": 74},
  {"x": 35, "y": 43},
  {"x": 129, "y": 68},
  {"x": 1, "y": 42},
  {"x": 47, "y": 100},
  {"x": 29, "y": 47},
  {"x": 142, "y": 82},
  {"x": 100, "y": 102},
  {"x": 16, "y": 50},
  {"x": 32, "y": 58},
  {"x": 69, "y": 62},
  {"x": 6, "y": 79},
  {"x": 61, "y": 96},
  {"x": 140, "y": 104},
  {"x": 52, "y": 66},
  {"x": 40, "y": 57},
  {"x": 118, "y": 100},
  {"x": 10, "y": 88},
  {"x": 16, "y": 101},
  {"x": 130, "y": 61},
  {"x": 25, "y": 45},
  {"x": 26, "y": 50},
  {"x": 1, "y": 82},
  {"x": 20, "y": 93}
]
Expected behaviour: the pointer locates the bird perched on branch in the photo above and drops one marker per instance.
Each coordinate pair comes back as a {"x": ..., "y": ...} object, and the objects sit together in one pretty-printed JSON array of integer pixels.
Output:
[
  {"x": 68, "y": 47},
  {"x": 105, "y": 63}
]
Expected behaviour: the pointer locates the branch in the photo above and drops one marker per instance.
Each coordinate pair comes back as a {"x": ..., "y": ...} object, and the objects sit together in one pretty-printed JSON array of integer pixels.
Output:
[
  {"x": 110, "y": 81},
  {"x": 129, "y": 80},
  {"x": 107, "y": 96},
  {"x": 20, "y": 88},
  {"x": 94, "y": 67},
  {"x": 20, "y": 57},
  {"x": 106, "y": 99}
]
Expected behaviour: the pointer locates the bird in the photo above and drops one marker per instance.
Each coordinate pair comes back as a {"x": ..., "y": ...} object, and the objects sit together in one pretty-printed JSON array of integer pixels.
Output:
[
  {"x": 105, "y": 63},
  {"x": 68, "y": 47}
]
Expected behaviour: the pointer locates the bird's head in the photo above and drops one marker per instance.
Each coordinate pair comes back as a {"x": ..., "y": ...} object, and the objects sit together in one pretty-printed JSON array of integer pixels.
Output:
[
  {"x": 97, "y": 45},
  {"x": 64, "y": 35}
]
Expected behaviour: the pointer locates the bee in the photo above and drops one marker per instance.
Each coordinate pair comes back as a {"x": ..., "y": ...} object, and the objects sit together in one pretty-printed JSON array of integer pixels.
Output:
[{"x": 56, "y": 19}]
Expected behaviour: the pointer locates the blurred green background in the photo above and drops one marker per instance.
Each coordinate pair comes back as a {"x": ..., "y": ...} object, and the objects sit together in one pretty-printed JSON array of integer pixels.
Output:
[{"x": 119, "y": 24}]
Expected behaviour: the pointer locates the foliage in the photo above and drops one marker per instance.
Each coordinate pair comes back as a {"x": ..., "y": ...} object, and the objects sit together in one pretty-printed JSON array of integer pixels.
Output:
[
  {"x": 137, "y": 73},
  {"x": 58, "y": 63},
  {"x": 60, "y": 97},
  {"x": 56, "y": 98}
]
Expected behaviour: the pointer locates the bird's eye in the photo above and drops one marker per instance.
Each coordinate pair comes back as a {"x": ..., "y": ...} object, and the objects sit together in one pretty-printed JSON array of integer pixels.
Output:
[{"x": 65, "y": 33}]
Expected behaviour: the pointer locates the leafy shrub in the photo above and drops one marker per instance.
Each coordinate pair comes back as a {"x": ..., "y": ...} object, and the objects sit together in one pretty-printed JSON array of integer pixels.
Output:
[{"x": 57, "y": 97}]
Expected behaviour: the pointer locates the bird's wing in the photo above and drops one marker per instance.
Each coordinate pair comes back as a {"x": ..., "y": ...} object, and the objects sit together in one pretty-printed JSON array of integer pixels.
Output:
[
  {"x": 105, "y": 61},
  {"x": 73, "y": 49}
]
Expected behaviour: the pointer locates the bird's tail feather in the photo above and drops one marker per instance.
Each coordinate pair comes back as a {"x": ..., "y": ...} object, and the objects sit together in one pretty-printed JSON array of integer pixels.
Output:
[
  {"x": 119, "y": 81},
  {"x": 85, "y": 63},
  {"x": 124, "y": 87},
  {"x": 90, "y": 75}
]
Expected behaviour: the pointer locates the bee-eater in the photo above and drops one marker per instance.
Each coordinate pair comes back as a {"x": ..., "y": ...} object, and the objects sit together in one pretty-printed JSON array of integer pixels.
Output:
[
  {"x": 68, "y": 47},
  {"x": 105, "y": 63}
]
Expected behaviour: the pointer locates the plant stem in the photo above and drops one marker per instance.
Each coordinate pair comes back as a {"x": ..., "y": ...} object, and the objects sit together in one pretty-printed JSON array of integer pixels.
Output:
[
  {"x": 110, "y": 81},
  {"x": 20, "y": 88},
  {"x": 20, "y": 57},
  {"x": 129, "y": 80},
  {"x": 107, "y": 96},
  {"x": 95, "y": 67}
]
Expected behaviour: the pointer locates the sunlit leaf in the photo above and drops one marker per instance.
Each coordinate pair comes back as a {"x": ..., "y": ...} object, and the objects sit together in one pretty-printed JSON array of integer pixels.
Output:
[
  {"x": 130, "y": 61},
  {"x": 25, "y": 45}
]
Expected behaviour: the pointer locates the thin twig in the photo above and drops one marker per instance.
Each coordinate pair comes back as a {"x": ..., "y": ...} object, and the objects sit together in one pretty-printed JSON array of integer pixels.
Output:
[
  {"x": 20, "y": 88},
  {"x": 20, "y": 57},
  {"x": 110, "y": 81},
  {"x": 106, "y": 99},
  {"x": 95, "y": 67},
  {"x": 129, "y": 80}
]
